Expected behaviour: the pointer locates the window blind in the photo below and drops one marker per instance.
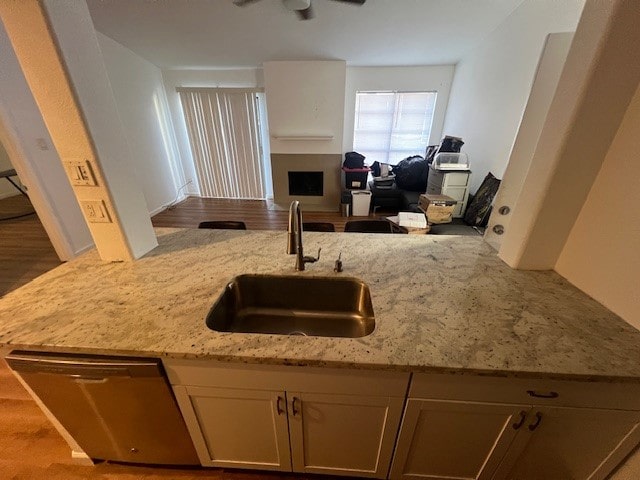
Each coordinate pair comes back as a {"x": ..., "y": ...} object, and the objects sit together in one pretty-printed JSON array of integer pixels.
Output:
[
  {"x": 390, "y": 126},
  {"x": 224, "y": 136}
]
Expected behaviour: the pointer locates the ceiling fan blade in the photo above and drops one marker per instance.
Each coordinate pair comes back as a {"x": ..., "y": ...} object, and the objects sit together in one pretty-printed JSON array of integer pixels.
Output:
[{"x": 305, "y": 14}]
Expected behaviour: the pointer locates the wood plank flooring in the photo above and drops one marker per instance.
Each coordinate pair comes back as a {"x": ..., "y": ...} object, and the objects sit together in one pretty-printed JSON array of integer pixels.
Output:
[
  {"x": 25, "y": 249},
  {"x": 255, "y": 213}
]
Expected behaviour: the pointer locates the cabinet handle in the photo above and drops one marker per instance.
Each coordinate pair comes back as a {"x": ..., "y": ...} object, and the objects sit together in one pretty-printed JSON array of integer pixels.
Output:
[
  {"x": 279, "y": 408},
  {"x": 535, "y": 424},
  {"x": 293, "y": 406},
  {"x": 533, "y": 393},
  {"x": 519, "y": 423}
]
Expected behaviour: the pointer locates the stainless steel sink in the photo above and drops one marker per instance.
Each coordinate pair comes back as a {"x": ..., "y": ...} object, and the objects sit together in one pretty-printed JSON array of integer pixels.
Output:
[{"x": 294, "y": 305}]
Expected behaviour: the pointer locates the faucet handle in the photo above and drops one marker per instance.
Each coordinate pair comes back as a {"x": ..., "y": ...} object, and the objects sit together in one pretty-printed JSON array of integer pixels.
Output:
[{"x": 308, "y": 259}]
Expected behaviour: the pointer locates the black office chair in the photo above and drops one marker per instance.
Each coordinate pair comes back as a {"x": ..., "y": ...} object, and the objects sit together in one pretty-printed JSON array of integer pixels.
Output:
[
  {"x": 318, "y": 227},
  {"x": 368, "y": 226},
  {"x": 223, "y": 225}
]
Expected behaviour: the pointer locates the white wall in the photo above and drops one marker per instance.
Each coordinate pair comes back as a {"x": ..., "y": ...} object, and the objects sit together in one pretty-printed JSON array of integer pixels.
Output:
[
  {"x": 240, "y": 78},
  {"x": 409, "y": 79},
  {"x": 305, "y": 99},
  {"x": 21, "y": 129},
  {"x": 492, "y": 82},
  {"x": 601, "y": 254},
  {"x": 139, "y": 92}
]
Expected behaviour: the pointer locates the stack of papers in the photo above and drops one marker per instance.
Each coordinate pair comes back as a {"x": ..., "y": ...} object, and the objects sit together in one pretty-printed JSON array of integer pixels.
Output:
[{"x": 412, "y": 220}]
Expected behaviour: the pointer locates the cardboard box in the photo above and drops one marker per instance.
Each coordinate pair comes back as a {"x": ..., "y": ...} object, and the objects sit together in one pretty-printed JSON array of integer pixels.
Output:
[{"x": 437, "y": 208}]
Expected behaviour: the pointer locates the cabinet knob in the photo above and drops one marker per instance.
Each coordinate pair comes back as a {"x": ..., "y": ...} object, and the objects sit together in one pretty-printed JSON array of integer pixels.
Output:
[
  {"x": 504, "y": 210},
  {"x": 498, "y": 229}
]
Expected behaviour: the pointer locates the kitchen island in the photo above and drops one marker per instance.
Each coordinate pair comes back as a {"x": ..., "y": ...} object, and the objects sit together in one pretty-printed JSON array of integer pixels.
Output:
[
  {"x": 473, "y": 370},
  {"x": 442, "y": 303}
]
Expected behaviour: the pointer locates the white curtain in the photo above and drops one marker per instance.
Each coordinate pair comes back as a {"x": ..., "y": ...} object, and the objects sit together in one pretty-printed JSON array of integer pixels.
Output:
[{"x": 224, "y": 133}]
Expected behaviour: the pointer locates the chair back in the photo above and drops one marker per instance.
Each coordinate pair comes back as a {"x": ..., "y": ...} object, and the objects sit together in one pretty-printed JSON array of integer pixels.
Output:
[
  {"x": 368, "y": 226},
  {"x": 223, "y": 225},
  {"x": 318, "y": 227}
]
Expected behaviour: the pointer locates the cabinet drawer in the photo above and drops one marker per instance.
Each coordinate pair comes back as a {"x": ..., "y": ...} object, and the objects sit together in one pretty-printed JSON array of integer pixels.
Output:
[
  {"x": 457, "y": 193},
  {"x": 456, "y": 179},
  {"x": 459, "y": 210},
  {"x": 570, "y": 393},
  {"x": 206, "y": 373}
]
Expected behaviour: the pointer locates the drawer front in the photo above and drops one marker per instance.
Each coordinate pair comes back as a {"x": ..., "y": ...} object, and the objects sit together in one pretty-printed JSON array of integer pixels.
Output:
[
  {"x": 457, "y": 193},
  {"x": 456, "y": 179},
  {"x": 458, "y": 212},
  {"x": 206, "y": 373},
  {"x": 570, "y": 393}
]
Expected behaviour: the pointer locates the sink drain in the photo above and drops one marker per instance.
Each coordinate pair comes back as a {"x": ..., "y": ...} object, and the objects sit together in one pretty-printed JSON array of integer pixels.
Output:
[{"x": 298, "y": 333}]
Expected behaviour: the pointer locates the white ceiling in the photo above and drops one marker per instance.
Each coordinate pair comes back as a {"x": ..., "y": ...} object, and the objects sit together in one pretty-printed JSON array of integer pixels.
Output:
[{"x": 218, "y": 34}]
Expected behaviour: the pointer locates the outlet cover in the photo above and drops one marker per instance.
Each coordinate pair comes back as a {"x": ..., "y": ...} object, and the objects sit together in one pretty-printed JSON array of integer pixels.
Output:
[
  {"x": 95, "y": 211},
  {"x": 80, "y": 173}
]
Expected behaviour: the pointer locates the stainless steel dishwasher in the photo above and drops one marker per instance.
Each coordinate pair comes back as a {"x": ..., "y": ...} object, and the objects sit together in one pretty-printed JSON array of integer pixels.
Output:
[{"x": 115, "y": 408}]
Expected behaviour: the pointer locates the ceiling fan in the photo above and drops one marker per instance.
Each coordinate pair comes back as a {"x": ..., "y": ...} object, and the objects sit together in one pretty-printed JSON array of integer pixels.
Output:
[{"x": 302, "y": 8}]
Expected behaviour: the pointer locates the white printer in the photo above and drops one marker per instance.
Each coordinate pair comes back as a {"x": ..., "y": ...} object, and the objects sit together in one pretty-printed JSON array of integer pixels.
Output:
[{"x": 451, "y": 161}]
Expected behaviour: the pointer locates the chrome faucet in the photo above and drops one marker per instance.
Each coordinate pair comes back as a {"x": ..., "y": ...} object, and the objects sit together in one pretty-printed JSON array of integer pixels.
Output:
[{"x": 294, "y": 237}]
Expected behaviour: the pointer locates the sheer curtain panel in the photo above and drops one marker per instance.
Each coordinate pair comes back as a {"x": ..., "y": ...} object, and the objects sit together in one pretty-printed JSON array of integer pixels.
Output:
[{"x": 224, "y": 134}]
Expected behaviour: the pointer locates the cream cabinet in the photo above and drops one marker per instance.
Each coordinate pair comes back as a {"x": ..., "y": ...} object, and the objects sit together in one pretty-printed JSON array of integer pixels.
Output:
[
  {"x": 570, "y": 443},
  {"x": 454, "y": 440},
  {"x": 454, "y": 184},
  {"x": 518, "y": 429},
  {"x": 237, "y": 428},
  {"x": 311, "y": 420}
]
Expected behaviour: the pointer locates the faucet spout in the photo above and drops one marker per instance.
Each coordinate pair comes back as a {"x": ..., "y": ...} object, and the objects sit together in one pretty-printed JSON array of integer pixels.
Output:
[{"x": 294, "y": 237}]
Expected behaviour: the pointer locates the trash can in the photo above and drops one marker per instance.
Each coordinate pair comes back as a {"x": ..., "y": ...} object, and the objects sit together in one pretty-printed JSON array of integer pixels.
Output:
[
  {"x": 345, "y": 203},
  {"x": 361, "y": 200}
]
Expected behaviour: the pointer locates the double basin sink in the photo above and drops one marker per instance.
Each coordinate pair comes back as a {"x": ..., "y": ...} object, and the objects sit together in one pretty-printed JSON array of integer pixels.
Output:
[{"x": 294, "y": 305}]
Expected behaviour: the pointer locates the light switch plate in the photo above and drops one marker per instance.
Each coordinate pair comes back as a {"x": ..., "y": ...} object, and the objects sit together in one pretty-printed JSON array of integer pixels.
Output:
[
  {"x": 95, "y": 211},
  {"x": 80, "y": 173}
]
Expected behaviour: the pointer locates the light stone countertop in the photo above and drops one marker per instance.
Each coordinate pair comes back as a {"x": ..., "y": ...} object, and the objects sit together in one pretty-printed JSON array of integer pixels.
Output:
[{"x": 442, "y": 303}]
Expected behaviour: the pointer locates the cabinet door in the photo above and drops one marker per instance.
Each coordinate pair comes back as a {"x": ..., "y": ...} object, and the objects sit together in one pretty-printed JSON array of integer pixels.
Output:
[
  {"x": 571, "y": 444},
  {"x": 454, "y": 440},
  {"x": 237, "y": 428},
  {"x": 343, "y": 434}
]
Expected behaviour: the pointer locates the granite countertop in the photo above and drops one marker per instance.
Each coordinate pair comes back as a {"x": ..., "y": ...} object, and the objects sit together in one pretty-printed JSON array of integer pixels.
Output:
[{"x": 442, "y": 303}]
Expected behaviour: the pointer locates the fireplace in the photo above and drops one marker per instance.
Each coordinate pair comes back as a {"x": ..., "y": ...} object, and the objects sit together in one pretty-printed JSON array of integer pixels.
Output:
[
  {"x": 306, "y": 184},
  {"x": 311, "y": 178}
]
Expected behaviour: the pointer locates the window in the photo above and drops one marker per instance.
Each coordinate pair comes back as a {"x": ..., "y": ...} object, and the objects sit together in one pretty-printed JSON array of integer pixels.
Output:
[{"x": 390, "y": 126}]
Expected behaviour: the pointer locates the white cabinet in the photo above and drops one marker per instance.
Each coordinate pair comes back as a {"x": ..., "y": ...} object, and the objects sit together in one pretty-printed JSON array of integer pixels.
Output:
[
  {"x": 515, "y": 429},
  {"x": 343, "y": 434},
  {"x": 312, "y": 420},
  {"x": 570, "y": 443},
  {"x": 455, "y": 184},
  {"x": 454, "y": 440},
  {"x": 237, "y": 428}
]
